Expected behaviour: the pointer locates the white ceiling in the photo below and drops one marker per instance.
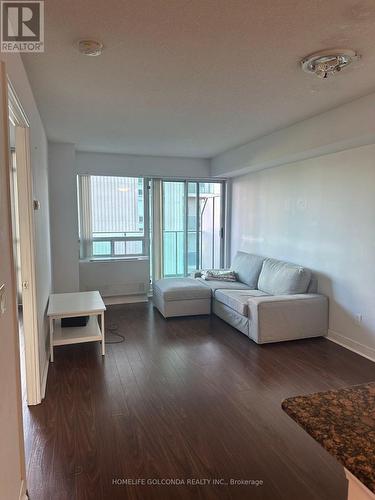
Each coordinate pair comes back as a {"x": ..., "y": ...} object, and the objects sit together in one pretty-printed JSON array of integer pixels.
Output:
[{"x": 193, "y": 77}]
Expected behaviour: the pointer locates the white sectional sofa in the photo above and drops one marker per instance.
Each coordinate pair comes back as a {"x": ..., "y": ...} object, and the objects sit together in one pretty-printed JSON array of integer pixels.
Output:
[
  {"x": 272, "y": 300},
  {"x": 181, "y": 297}
]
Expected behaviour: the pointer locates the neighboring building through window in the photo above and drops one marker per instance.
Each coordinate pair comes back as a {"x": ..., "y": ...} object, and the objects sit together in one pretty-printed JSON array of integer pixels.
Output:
[{"x": 111, "y": 216}]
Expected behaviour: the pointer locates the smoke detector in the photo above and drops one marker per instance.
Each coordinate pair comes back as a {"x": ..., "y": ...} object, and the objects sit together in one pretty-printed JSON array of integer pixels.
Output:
[
  {"x": 328, "y": 62},
  {"x": 90, "y": 47}
]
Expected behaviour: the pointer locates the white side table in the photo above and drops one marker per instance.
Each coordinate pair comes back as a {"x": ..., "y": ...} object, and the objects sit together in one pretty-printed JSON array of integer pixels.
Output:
[{"x": 69, "y": 305}]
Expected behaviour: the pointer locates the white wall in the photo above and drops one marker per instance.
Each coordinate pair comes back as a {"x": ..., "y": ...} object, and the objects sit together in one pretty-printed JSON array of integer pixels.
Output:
[
  {"x": 64, "y": 165},
  {"x": 344, "y": 127},
  {"x": 39, "y": 167},
  {"x": 131, "y": 165},
  {"x": 64, "y": 217},
  {"x": 116, "y": 278},
  {"x": 319, "y": 213},
  {"x": 12, "y": 457}
]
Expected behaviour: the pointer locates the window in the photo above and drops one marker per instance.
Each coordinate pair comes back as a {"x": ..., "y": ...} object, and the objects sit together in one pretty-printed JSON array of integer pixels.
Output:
[
  {"x": 179, "y": 223},
  {"x": 111, "y": 216}
]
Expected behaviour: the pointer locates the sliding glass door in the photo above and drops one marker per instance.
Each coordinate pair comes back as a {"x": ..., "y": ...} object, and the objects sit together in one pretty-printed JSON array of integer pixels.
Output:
[
  {"x": 174, "y": 230},
  {"x": 192, "y": 226}
]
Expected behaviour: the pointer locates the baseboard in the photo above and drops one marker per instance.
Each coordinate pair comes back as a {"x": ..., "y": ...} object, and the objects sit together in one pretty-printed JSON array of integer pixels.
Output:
[
  {"x": 352, "y": 345},
  {"x": 23, "y": 495},
  {"x": 125, "y": 299},
  {"x": 44, "y": 380}
]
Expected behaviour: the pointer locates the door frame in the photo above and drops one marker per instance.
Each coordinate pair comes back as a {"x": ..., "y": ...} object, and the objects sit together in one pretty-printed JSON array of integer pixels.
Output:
[
  {"x": 9, "y": 290},
  {"x": 27, "y": 246}
]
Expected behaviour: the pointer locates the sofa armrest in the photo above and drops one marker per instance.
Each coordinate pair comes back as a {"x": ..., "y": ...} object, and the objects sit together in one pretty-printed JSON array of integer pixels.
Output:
[{"x": 286, "y": 317}]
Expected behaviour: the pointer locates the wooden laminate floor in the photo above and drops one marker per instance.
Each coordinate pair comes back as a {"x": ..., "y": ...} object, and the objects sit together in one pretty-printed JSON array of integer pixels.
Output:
[{"x": 183, "y": 400}]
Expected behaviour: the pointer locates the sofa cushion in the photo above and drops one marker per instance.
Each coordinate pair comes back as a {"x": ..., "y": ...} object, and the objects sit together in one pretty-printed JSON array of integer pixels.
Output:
[
  {"x": 247, "y": 267},
  {"x": 237, "y": 299},
  {"x": 283, "y": 278},
  {"x": 181, "y": 289},
  {"x": 222, "y": 285}
]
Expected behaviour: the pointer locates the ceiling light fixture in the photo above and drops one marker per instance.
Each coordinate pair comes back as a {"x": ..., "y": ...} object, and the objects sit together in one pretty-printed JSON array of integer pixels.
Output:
[
  {"x": 328, "y": 62},
  {"x": 90, "y": 47}
]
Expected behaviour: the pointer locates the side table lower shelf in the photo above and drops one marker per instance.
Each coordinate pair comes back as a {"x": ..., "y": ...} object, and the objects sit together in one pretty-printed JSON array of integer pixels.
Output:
[
  {"x": 76, "y": 335},
  {"x": 92, "y": 332}
]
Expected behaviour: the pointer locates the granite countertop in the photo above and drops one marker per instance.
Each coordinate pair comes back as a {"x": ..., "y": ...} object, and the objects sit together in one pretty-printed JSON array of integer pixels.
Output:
[{"x": 343, "y": 422}]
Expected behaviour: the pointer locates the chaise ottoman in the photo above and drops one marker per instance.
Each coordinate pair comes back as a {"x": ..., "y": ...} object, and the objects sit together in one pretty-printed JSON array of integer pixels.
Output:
[{"x": 181, "y": 297}]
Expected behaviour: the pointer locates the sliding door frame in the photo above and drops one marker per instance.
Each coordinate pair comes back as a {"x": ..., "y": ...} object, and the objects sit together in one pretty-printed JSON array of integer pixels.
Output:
[
  {"x": 224, "y": 221},
  {"x": 186, "y": 226}
]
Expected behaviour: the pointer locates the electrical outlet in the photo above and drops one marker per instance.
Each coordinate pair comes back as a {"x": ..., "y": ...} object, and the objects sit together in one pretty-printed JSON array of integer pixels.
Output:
[
  {"x": 358, "y": 318},
  {"x": 302, "y": 204}
]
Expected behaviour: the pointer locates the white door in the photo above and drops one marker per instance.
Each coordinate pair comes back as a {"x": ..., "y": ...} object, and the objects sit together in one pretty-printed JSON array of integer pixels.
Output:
[{"x": 12, "y": 461}]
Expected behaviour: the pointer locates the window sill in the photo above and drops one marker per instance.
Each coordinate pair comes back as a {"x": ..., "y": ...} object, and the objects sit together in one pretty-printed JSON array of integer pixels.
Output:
[{"x": 115, "y": 259}]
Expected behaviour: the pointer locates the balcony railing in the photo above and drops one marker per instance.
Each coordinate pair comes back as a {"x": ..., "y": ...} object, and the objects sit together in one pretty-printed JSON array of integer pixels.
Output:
[{"x": 174, "y": 252}]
